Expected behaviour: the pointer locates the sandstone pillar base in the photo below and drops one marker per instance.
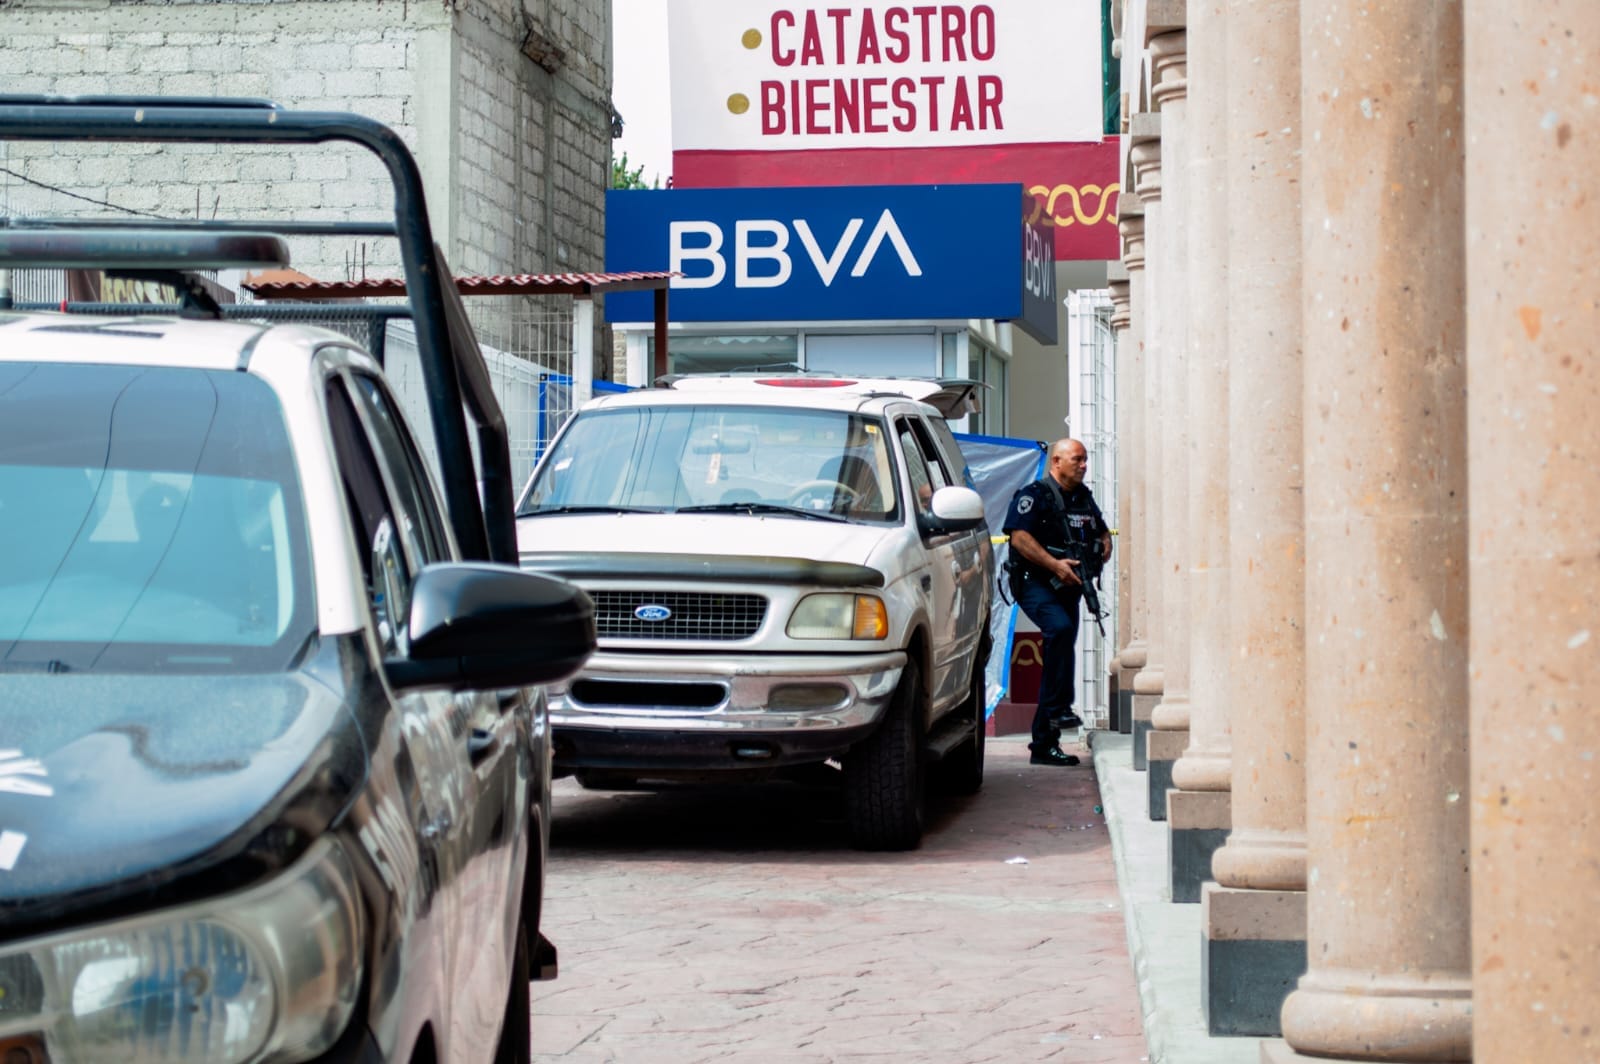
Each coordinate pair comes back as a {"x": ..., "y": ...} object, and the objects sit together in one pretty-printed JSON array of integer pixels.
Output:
[
  {"x": 1122, "y": 716},
  {"x": 1114, "y": 698},
  {"x": 1144, "y": 706},
  {"x": 1133, "y": 658},
  {"x": 1198, "y": 823},
  {"x": 1165, "y": 747},
  {"x": 1251, "y": 956},
  {"x": 1207, "y": 770},
  {"x": 1258, "y": 858},
  {"x": 1411, "y": 1017},
  {"x": 1277, "y": 1051}
]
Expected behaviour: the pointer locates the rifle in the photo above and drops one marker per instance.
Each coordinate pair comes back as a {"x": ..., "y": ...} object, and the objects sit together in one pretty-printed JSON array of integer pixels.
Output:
[{"x": 1090, "y": 564}]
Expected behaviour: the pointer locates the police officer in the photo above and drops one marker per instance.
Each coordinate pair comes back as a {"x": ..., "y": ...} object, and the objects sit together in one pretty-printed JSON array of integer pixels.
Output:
[{"x": 1049, "y": 587}]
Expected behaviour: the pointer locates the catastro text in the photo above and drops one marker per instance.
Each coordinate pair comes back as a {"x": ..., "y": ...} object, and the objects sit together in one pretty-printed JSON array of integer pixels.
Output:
[{"x": 859, "y": 42}]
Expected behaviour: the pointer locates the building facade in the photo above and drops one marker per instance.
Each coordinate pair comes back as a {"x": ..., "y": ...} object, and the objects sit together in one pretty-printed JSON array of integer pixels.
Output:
[
  {"x": 1359, "y": 313},
  {"x": 505, "y": 103}
]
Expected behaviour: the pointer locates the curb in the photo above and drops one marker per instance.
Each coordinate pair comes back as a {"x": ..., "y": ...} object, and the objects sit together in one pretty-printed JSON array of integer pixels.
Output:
[{"x": 1163, "y": 938}]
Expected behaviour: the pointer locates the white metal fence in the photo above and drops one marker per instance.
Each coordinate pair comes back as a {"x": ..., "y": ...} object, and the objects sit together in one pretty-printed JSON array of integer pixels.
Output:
[
  {"x": 1091, "y": 363},
  {"x": 527, "y": 342},
  {"x": 534, "y": 333}
]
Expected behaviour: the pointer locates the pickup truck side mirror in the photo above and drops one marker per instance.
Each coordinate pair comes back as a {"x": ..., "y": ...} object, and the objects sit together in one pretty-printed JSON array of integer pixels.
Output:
[
  {"x": 481, "y": 626},
  {"x": 954, "y": 509}
]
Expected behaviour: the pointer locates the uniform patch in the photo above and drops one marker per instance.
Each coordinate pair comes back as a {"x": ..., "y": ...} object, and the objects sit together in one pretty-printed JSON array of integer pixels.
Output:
[{"x": 1024, "y": 504}]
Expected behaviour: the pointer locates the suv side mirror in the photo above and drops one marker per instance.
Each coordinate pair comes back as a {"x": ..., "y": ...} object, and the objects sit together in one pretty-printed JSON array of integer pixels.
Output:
[
  {"x": 481, "y": 626},
  {"x": 954, "y": 509}
]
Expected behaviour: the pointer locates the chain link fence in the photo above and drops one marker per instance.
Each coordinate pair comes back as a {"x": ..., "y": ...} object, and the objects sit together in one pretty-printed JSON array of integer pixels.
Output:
[{"x": 527, "y": 343}]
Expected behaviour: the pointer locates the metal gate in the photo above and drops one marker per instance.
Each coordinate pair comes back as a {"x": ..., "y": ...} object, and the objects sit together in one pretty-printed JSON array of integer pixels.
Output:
[{"x": 1091, "y": 364}]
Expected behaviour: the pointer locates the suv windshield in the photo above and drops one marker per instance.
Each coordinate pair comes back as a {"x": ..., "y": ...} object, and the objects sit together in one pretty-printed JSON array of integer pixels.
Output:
[
  {"x": 150, "y": 519},
  {"x": 714, "y": 457}
]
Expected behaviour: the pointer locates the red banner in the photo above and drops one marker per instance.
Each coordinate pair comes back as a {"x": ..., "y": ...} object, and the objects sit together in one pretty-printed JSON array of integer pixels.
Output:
[{"x": 1074, "y": 186}]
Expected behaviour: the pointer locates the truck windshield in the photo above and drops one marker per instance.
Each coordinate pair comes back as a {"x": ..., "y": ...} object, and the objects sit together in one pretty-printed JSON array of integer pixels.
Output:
[
  {"x": 150, "y": 519},
  {"x": 719, "y": 458}
]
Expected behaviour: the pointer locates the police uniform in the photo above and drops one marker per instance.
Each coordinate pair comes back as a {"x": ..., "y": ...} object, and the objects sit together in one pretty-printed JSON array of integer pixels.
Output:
[{"x": 1034, "y": 511}]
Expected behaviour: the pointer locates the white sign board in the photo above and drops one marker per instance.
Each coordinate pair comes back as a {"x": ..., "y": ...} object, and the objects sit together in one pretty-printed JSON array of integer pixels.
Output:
[{"x": 807, "y": 76}]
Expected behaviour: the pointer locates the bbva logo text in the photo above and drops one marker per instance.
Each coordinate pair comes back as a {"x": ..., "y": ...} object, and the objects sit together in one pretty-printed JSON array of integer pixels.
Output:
[{"x": 772, "y": 249}]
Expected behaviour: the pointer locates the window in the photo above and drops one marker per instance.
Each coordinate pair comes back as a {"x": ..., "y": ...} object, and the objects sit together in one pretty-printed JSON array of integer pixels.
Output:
[
  {"x": 418, "y": 504},
  {"x": 387, "y": 567},
  {"x": 926, "y": 475},
  {"x": 951, "y": 450},
  {"x": 872, "y": 354},
  {"x": 726, "y": 354},
  {"x": 718, "y": 456},
  {"x": 986, "y": 365},
  {"x": 150, "y": 519}
]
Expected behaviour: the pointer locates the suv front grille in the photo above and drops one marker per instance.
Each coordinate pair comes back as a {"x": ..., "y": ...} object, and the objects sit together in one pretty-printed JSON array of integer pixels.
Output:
[{"x": 694, "y": 615}]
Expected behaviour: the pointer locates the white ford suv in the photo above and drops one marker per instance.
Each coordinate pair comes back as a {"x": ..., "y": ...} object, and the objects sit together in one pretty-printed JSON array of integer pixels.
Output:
[{"x": 787, "y": 570}]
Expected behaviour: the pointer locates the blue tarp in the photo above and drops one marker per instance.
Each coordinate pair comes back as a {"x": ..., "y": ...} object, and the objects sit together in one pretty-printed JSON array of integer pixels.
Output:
[
  {"x": 555, "y": 405},
  {"x": 999, "y": 466}
]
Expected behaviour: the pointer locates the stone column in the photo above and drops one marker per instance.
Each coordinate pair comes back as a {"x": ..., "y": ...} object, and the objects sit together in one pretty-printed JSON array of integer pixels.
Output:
[
  {"x": 1254, "y": 915},
  {"x": 1169, "y": 723},
  {"x": 1388, "y": 976},
  {"x": 1533, "y": 223},
  {"x": 1144, "y": 271},
  {"x": 1197, "y": 810},
  {"x": 1122, "y": 667}
]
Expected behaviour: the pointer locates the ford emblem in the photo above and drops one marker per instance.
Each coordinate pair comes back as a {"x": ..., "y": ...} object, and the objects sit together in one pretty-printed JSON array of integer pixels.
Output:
[{"x": 652, "y": 613}]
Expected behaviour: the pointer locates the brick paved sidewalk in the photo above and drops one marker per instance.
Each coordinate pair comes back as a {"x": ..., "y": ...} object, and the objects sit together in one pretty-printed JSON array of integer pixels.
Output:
[{"x": 735, "y": 924}]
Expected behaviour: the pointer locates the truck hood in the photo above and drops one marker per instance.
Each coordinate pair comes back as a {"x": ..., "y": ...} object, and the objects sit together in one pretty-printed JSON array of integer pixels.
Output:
[
  {"x": 720, "y": 535},
  {"x": 117, "y": 785}
]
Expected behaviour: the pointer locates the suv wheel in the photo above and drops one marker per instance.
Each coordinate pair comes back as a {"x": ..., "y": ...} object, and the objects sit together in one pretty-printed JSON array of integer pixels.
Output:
[
  {"x": 962, "y": 770},
  {"x": 883, "y": 775}
]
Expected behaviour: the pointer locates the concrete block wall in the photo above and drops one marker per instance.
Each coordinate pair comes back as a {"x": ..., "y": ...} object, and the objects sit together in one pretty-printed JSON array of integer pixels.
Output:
[
  {"x": 484, "y": 120},
  {"x": 534, "y": 138}
]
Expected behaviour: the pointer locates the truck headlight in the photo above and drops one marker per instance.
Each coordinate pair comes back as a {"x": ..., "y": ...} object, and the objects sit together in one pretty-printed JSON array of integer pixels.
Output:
[
  {"x": 835, "y": 616},
  {"x": 271, "y": 974}
]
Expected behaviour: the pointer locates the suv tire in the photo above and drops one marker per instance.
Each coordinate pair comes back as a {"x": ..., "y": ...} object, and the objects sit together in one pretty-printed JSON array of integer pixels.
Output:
[{"x": 884, "y": 774}]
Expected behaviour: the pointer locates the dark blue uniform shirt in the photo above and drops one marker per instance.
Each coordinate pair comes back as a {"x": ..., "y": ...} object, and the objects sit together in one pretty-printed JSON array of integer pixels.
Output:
[{"x": 1033, "y": 511}]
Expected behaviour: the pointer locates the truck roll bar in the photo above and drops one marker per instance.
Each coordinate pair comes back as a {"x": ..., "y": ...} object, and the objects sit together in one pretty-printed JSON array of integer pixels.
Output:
[{"x": 484, "y": 531}]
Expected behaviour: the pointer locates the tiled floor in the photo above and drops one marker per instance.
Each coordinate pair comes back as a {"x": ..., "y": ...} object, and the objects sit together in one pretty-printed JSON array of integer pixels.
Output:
[{"x": 736, "y": 924}]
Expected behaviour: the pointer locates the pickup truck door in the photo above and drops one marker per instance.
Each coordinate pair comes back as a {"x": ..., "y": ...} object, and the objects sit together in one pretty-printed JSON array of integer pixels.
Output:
[
  {"x": 486, "y": 747},
  {"x": 975, "y": 552},
  {"x": 465, "y": 747},
  {"x": 927, "y": 474}
]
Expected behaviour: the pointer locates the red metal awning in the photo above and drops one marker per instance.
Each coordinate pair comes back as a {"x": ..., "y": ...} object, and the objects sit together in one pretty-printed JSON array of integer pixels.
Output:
[
  {"x": 266, "y": 286},
  {"x": 285, "y": 285}
]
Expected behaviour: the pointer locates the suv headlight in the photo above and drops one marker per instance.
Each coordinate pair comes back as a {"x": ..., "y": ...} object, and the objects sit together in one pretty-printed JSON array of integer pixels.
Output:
[
  {"x": 836, "y": 616},
  {"x": 271, "y": 974}
]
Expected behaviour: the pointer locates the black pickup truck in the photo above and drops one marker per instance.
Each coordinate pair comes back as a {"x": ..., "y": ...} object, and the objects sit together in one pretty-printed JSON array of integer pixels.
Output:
[{"x": 274, "y": 771}]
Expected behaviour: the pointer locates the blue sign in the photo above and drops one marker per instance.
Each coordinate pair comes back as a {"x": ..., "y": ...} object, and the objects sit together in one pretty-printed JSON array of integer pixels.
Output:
[
  {"x": 1039, "y": 303},
  {"x": 881, "y": 252}
]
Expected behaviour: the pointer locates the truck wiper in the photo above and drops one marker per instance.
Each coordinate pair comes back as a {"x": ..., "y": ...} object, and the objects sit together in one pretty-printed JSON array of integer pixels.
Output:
[
  {"x": 587, "y": 510},
  {"x": 54, "y": 665},
  {"x": 759, "y": 508}
]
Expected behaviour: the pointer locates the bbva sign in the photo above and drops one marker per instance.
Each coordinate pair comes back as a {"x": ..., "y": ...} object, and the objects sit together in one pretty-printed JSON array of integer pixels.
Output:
[
  {"x": 767, "y": 240},
  {"x": 820, "y": 253}
]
